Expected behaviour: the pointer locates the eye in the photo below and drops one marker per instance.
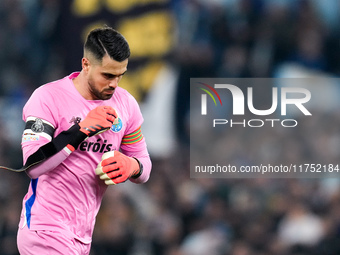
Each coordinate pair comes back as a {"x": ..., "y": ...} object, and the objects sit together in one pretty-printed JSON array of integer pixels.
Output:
[{"x": 109, "y": 76}]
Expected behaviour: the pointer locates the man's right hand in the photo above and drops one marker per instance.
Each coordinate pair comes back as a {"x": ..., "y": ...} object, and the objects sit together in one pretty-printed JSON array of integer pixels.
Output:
[{"x": 98, "y": 120}]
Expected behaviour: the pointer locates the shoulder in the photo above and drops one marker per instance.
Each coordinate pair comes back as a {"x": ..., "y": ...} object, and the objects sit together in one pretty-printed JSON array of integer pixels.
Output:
[
  {"x": 124, "y": 97},
  {"x": 129, "y": 105},
  {"x": 52, "y": 87},
  {"x": 44, "y": 99},
  {"x": 49, "y": 90},
  {"x": 121, "y": 92}
]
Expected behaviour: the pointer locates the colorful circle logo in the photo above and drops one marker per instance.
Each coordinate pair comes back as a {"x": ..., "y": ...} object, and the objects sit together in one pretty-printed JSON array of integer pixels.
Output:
[{"x": 117, "y": 127}]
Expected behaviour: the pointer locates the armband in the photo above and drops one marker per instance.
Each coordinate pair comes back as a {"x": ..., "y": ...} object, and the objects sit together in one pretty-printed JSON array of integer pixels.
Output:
[{"x": 73, "y": 137}]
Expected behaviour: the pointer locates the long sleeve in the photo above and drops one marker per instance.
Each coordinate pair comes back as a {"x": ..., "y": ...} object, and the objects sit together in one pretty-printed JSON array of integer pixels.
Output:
[{"x": 48, "y": 165}]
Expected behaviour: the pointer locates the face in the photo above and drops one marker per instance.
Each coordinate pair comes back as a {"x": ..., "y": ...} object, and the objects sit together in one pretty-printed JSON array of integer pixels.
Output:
[{"x": 103, "y": 78}]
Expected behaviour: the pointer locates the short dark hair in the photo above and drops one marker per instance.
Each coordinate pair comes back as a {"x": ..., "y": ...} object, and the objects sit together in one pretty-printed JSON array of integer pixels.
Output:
[{"x": 106, "y": 40}]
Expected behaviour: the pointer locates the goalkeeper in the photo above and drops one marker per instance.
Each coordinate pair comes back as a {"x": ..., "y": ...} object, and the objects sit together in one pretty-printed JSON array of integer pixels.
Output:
[{"x": 82, "y": 133}]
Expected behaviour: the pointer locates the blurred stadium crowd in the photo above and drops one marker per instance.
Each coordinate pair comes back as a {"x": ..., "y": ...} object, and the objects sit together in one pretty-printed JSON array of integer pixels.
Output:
[{"x": 173, "y": 214}]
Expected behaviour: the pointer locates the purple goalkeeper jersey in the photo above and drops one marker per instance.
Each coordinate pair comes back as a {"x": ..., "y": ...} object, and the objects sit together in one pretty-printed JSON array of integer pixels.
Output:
[{"x": 67, "y": 197}]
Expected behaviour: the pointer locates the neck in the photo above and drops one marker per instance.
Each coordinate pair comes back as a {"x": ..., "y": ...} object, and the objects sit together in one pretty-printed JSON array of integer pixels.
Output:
[{"x": 80, "y": 85}]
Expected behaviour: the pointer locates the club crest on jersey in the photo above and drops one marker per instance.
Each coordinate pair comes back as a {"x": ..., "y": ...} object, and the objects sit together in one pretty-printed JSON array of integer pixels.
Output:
[
  {"x": 117, "y": 127},
  {"x": 37, "y": 126}
]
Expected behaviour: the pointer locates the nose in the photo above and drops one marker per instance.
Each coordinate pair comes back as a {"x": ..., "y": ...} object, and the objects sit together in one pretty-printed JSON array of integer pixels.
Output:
[{"x": 114, "y": 83}]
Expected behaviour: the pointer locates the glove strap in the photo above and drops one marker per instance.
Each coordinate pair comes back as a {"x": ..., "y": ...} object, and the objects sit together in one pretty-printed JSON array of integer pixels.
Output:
[{"x": 140, "y": 170}]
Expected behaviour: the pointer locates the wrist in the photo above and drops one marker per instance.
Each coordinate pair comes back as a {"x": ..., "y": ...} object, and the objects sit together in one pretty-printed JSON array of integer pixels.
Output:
[
  {"x": 139, "y": 170},
  {"x": 77, "y": 138}
]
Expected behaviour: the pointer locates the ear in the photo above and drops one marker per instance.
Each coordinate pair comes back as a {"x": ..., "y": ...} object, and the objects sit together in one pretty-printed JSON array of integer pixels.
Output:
[{"x": 85, "y": 64}]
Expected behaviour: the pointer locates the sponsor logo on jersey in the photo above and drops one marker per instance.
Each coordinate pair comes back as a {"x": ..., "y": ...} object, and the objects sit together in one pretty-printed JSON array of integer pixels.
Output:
[{"x": 98, "y": 146}]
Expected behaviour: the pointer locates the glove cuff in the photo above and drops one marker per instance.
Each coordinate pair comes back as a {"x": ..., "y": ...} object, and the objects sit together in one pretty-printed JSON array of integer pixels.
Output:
[
  {"x": 77, "y": 136},
  {"x": 135, "y": 176}
]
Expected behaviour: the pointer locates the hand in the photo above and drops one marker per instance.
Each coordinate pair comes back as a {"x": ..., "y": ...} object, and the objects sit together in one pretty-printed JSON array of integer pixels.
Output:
[
  {"x": 98, "y": 120},
  {"x": 116, "y": 167}
]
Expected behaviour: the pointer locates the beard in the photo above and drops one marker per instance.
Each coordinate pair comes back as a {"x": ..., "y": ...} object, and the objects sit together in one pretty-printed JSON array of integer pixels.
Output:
[{"x": 100, "y": 95}]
